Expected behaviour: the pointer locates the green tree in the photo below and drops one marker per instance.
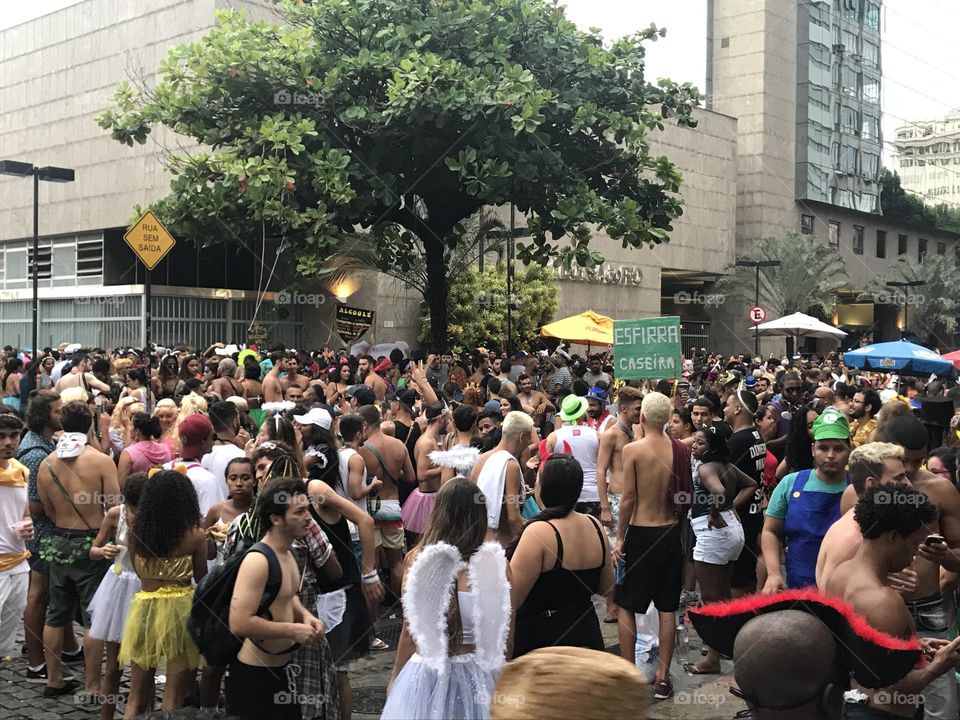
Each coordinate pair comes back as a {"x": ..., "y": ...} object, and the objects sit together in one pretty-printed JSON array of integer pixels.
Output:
[
  {"x": 807, "y": 280},
  {"x": 403, "y": 118},
  {"x": 478, "y": 307},
  {"x": 933, "y": 307},
  {"x": 476, "y": 236},
  {"x": 900, "y": 206}
]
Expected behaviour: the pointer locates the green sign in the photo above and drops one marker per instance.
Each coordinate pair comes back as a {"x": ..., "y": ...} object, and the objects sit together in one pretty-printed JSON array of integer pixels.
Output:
[{"x": 647, "y": 349}]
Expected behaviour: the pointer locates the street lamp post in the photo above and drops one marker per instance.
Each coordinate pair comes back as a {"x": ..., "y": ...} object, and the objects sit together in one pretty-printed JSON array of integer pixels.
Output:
[
  {"x": 756, "y": 301},
  {"x": 906, "y": 300},
  {"x": 47, "y": 174}
]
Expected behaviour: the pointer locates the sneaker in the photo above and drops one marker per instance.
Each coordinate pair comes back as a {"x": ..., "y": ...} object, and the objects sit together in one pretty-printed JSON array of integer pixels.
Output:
[
  {"x": 689, "y": 597},
  {"x": 66, "y": 689},
  {"x": 40, "y": 675},
  {"x": 663, "y": 689},
  {"x": 72, "y": 657}
]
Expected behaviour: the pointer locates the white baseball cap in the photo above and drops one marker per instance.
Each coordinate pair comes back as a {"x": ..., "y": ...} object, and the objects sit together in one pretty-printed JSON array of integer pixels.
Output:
[{"x": 316, "y": 416}]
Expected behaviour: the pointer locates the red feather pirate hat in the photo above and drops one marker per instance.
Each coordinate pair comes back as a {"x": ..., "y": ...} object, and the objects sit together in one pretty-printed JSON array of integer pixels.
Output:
[{"x": 875, "y": 658}]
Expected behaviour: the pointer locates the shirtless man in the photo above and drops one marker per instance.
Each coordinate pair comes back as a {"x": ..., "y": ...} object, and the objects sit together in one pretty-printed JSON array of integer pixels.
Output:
[
  {"x": 387, "y": 459},
  {"x": 226, "y": 385},
  {"x": 925, "y": 603},
  {"x": 497, "y": 473},
  {"x": 272, "y": 390},
  {"x": 292, "y": 377},
  {"x": 648, "y": 544},
  {"x": 76, "y": 484},
  {"x": 533, "y": 402},
  {"x": 869, "y": 465},
  {"x": 257, "y": 686},
  {"x": 610, "y": 469},
  {"x": 894, "y": 520},
  {"x": 80, "y": 376},
  {"x": 369, "y": 378}
]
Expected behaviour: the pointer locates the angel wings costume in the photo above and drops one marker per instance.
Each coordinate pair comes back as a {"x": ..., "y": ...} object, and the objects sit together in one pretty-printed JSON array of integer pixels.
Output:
[{"x": 433, "y": 685}]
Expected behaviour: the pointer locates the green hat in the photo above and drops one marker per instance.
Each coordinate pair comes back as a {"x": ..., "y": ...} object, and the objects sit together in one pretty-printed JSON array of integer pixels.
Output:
[
  {"x": 831, "y": 425},
  {"x": 573, "y": 407}
]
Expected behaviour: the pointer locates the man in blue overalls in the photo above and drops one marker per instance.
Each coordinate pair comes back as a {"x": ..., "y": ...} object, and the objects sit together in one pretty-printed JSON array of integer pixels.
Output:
[{"x": 804, "y": 506}]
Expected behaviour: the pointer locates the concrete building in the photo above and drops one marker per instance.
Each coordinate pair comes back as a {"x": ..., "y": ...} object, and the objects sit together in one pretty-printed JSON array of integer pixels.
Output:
[
  {"x": 61, "y": 70},
  {"x": 927, "y": 158},
  {"x": 802, "y": 79}
]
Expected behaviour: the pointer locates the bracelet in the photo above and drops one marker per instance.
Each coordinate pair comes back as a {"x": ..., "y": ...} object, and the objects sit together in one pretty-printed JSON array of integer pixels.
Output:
[{"x": 370, "y": 578}]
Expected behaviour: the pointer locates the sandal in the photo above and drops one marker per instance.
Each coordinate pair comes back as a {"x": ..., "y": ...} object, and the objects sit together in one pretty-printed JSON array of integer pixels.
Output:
[
  {"x": 692, "y": 669},
  {"x": 378, "y": 645}
]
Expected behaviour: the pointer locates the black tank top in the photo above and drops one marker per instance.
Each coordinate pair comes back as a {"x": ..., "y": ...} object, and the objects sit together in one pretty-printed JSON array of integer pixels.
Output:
[
  {"x": 561, "y": 588},
  {"x": 339, "y": 535}
]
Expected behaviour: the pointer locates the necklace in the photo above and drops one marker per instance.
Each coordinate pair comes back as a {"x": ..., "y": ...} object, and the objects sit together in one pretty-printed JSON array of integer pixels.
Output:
[{"x": 626, "y": 431}]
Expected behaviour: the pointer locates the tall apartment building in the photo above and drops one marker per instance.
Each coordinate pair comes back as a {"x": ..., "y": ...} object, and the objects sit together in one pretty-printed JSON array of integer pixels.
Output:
[
  {"x": 927, "y": 158},
  {"x": 803, "y": 80}
]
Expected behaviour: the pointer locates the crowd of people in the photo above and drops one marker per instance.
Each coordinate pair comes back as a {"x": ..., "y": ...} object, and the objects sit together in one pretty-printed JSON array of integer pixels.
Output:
[{"x": 235, "y": 520}]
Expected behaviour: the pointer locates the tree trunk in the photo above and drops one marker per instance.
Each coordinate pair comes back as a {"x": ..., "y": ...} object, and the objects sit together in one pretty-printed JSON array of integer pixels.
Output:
[{"x": 437, "y": 292}]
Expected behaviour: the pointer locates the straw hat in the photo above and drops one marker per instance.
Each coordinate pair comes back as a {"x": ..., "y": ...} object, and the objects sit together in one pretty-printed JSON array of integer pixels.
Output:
[{"x": 574, "y": 682}]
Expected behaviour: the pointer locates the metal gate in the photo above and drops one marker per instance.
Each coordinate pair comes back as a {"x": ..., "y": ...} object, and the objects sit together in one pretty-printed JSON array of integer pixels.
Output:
[{"x": 694, "y": 334}]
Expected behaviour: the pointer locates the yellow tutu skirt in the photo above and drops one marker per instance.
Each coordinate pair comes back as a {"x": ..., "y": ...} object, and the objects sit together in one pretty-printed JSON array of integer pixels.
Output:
[{"x": 156, "y": 630}]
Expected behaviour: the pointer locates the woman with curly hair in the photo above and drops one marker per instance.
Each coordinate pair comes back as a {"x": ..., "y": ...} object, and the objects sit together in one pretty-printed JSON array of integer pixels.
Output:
[
  {"x": 168, "y": 551},
  {"x": 166, "y": 414},
  {"x": 191, "y": 404}
]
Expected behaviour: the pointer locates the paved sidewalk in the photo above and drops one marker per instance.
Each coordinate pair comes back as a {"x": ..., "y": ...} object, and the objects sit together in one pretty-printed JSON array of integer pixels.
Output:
[{"x": 696, "y": 698}]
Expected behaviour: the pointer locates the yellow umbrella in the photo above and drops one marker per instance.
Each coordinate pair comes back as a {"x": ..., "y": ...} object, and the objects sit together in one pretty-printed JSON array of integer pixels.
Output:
[{"x": 587, "y": 328}]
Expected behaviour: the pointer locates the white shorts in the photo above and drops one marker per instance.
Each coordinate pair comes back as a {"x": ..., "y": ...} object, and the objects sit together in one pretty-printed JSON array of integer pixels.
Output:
[
  {"x": 13, "y": 600},
  {"x": 717, "y": 546}
]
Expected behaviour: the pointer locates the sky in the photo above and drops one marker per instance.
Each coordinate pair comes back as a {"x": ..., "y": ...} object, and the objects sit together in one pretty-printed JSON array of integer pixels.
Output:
[{"x": 920, "y": 81}]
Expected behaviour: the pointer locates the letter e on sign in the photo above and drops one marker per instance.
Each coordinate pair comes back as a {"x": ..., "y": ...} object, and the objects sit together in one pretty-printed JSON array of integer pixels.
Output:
[
  {"x": 757, "y": 314},
  {"x": 149, "y": 240}
]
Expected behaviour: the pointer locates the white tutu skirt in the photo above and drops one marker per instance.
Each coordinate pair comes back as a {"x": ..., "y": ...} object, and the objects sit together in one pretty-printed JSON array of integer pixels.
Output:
[
  {"x": 420, "y": 693},
  {"x": 110, "y": 604}
]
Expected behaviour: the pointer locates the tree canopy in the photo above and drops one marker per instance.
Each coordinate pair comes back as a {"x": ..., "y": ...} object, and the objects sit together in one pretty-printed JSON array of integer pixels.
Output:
[
  {"x": 807, "y": 280},
  {"x": 402, "y": 118}
]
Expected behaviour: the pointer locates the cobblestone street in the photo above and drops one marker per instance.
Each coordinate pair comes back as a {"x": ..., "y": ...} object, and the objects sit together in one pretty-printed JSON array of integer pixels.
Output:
[{"x": 695, "y": 698}]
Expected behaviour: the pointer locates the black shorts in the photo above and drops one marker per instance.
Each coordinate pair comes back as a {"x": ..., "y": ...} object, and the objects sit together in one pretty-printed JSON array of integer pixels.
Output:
[
  {"x": 255, "y": 693},
  {"x": 745, "y": 567},
  {"x": 588, "y": 508},
  {"x": 653, "y": 569}
]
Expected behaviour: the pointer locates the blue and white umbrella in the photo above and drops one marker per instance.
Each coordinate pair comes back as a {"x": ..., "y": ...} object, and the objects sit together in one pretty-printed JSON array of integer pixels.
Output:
[{"x": 900, "y": 356}]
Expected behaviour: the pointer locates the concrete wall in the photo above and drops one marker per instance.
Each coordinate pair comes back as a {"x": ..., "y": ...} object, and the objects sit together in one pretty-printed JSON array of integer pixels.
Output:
[
  {"x": 754, "y": 80},
  {"x": 59, "y": 71}
]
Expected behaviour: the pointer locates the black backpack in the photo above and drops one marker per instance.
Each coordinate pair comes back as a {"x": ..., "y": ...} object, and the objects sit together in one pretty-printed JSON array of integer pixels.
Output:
[{"x": 209, "y": 622}]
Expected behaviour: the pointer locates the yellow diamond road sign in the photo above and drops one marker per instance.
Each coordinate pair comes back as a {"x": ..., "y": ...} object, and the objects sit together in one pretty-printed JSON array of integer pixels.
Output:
[{"x": 149, "y": 240}]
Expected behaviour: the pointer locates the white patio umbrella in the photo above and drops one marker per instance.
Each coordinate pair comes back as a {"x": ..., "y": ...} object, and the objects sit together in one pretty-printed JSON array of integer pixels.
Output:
[{"x": 799, "y": 325}]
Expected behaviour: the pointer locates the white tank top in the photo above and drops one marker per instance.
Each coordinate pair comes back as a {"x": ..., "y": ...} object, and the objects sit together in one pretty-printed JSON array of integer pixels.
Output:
[
  {"x": 344, "y": 456},
  {"x": 584, "y": 445}
]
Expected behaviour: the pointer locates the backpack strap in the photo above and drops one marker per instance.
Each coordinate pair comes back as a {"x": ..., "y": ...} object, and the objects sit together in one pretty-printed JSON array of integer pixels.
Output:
[{"x": 271, "y": 590}]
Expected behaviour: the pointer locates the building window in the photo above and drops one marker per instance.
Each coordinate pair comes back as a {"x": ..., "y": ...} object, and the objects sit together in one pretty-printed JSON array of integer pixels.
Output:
[
  {"x": 850, "y": 8},
  {"x": 725, "y": 42},
  {"x": 871, "y": 16},
  {"x": 833, "y": 234},
  {"x": 871, "y": 89},
  {"x": 869, "y": 164},
  {"x": 806, "y": 224},
  {"x": 848, "y": 159},
  {"x": 941, "y": 248},
  {"x": 921, "y": 249},
  {"x": 871, "y": 54},
  {"x": 881, "y": 244},
  {"x": 858, "y": 239},
  {"x": 901, "y": 244}
]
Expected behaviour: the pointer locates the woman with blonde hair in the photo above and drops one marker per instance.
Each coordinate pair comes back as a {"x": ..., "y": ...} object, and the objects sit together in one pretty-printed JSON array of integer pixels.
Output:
[
  {"x": 166, "y": 412},
  {"x": 121, "y": 424},
  {"x": 191, "y": 404},
  {"x": 894, "y": 407}
]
